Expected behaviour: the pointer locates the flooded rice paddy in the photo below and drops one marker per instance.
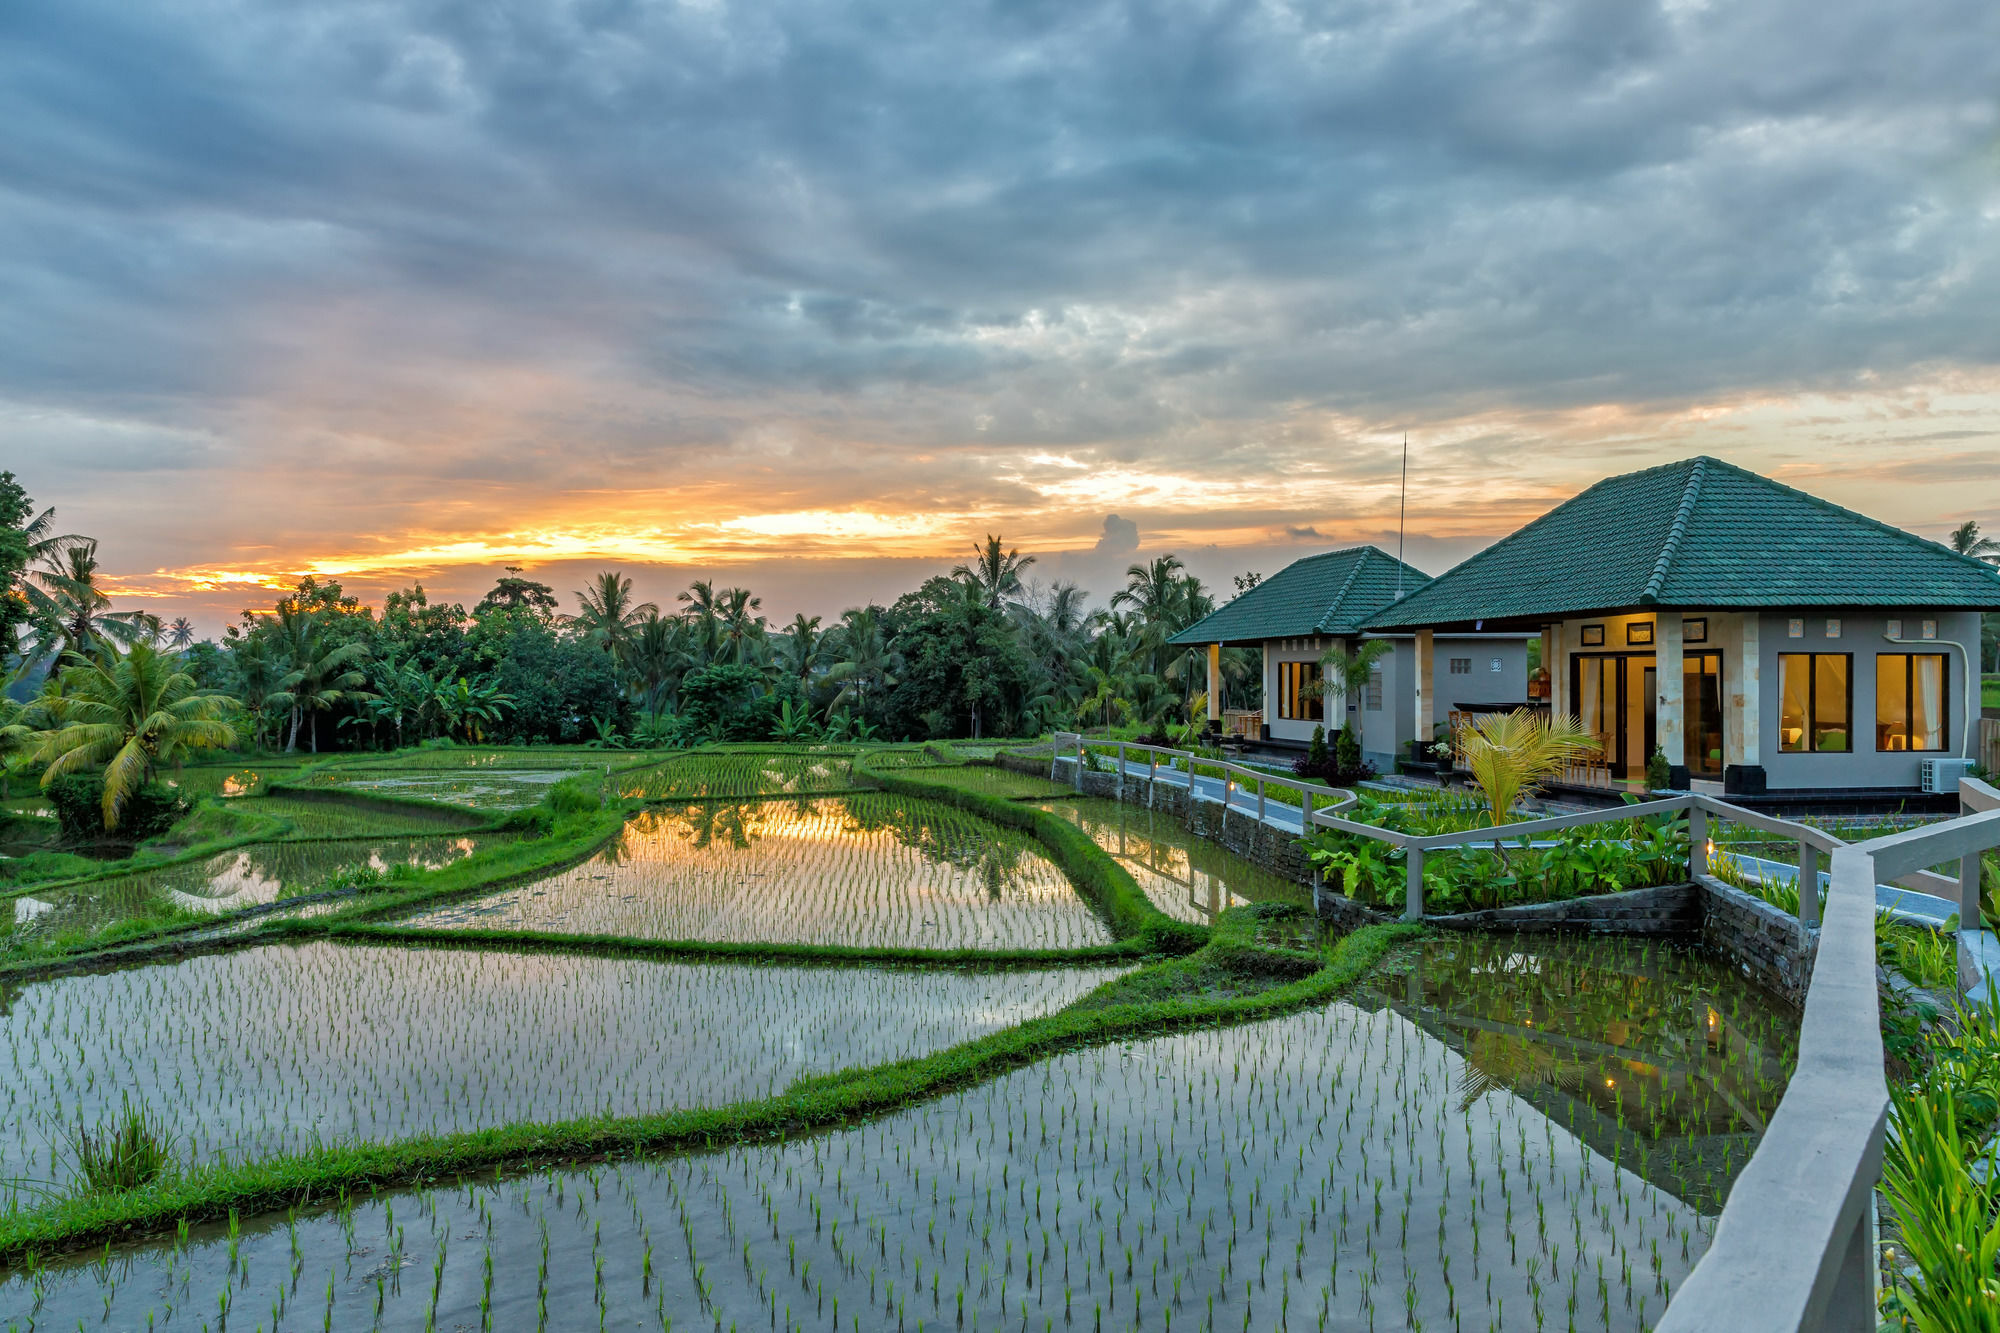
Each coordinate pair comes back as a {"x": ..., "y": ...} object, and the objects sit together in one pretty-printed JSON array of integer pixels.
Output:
[
  {"x": 335, "y": 817},
  {"x": 247, "y": 877},
  {"x": 496, "y": 789},
  {"x": 866, "y": 870},
  {"x": 1354, "y": 1167},
  {"x": 1187, "y": 877},
  {"x": 276, "y": 1047},
  {"x": 697, "y": 777}
]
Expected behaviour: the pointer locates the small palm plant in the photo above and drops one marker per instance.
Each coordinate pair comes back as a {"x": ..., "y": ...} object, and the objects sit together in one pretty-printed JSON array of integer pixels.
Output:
[
  {"x": 128, "y": 713},
  {"x": 1509, "y": 753}
]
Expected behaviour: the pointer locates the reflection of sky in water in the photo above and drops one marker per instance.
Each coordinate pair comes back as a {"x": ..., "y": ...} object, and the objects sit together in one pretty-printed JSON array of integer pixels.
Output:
[
  {"x": 1648, "y": 1050},
  {"x": 495, "y": 789},
  {"x": 1187, "y": 877},
  {"x": 869, "y": 870}
]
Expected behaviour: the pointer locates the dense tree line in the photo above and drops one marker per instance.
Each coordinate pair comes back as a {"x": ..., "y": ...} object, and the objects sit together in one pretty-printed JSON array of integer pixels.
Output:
[{"x": 979, "y": 652}]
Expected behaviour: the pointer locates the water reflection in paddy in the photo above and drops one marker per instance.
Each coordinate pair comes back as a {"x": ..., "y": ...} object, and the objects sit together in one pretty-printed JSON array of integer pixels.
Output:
[
  {"x": 863, "y": 870},
  {"x": 1187, "y": 877},
  {"x": 1654, "y": 1053},
  {"x": 269, "y": 1048},
  {"x": 1350, "y": 1167}
]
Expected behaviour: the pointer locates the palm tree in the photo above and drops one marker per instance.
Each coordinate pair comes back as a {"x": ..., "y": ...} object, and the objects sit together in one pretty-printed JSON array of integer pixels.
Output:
[
  {"x": 610, "y": 617},
  {"x": 472, "y": 704},
  {"x": 1348, "y": 673},
  {"x": 659, "y": 657},
  {"x": 180, "y": 634},
  {"x": 323, "y": 674},
  {"x": 402, "y": 692},
  {"x": 867, "y": 662},
  {"x": 995, "y": 572},
  {"x": 741, "y": 633},
  {"x": 130, "y": 712},
  {"x": 703, "y": 617},
  {"x": 1508, "y": 753},
  {"x": 802, "y": 648},
  {"x": 63, "y": 590},
  {"x": 1965, "y": 540},
  {"x": 258, "y": 665}
]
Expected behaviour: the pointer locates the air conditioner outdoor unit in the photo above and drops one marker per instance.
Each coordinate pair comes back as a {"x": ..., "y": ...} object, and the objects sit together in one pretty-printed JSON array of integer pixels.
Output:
[{"x": 1942, "y": 775}]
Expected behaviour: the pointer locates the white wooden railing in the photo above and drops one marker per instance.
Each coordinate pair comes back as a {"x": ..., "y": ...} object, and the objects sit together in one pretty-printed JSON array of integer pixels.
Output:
[{"x": 1793, "y": 1249}]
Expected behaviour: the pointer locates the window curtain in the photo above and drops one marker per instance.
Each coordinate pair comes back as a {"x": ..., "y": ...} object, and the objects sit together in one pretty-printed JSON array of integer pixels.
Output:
[{"x": 1929, "y": 723}]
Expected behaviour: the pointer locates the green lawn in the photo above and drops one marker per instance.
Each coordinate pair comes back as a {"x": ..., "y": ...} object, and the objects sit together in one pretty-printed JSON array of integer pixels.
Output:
[{"x": 1989, "y": 692}]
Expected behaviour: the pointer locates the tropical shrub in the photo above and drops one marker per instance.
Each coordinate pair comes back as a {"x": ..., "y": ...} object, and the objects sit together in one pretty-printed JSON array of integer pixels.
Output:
[{"x": 149, "y": 810}]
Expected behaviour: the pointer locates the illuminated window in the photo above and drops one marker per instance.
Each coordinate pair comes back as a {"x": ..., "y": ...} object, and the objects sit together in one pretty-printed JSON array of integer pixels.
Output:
[
  {"x": 1815, "y": 703},
  {"x": 1912, "y": 706},
  {"x": 1298, "y": 692}
]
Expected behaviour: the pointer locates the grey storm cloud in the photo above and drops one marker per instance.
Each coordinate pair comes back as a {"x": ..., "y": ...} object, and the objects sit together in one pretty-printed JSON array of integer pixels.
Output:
[
  {"x": 1304, "y": 534},
  {"x": 1120, "y": 536},
  {"x": 1011, "y": 222}
]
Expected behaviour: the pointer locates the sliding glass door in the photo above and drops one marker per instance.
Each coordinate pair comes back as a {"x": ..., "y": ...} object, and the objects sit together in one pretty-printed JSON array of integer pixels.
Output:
[{"x": 1701, "y": 714}]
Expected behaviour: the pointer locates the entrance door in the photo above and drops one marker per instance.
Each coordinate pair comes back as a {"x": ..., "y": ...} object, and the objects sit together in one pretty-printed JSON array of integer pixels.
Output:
[
  {"x": 1701, "y": 713},
  {"x": 1617, "y": 697}
]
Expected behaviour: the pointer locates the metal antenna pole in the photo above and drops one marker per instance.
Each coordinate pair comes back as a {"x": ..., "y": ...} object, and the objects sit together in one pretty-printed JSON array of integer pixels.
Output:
[{"x": 1402, "y": 514}]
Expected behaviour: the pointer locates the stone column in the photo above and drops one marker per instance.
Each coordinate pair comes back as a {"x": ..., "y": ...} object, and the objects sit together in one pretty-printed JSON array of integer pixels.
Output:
[
  {"x": 1270, "y": 687},
  {"x": 1558, "y": 668},
  {"x": 1670, "y": 729},
  {"x": 1743, "y": 774},
  {"x": 1215, "y": 682},
  {"x": 1425, "y": 686}
]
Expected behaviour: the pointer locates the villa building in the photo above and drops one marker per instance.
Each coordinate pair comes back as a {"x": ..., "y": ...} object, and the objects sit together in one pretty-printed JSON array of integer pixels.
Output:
[
  {"x": 1324, "y": 601},
  {"x": 1766, "y": 642}
]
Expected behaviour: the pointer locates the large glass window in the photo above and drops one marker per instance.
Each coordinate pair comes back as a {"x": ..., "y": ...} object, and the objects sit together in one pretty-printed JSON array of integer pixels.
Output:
[
  {"x": 1597, "y": 702},
  {"x": 1912, "y": 701},
  {"x": 1815, "y": 703},
  {"x": 1701, "y": 713},
  {"x": 1298, "y": 692}
]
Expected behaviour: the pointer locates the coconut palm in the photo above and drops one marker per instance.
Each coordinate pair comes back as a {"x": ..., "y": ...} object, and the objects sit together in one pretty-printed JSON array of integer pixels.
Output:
[
  {"x": 257, "y": 664},
  {"x": 179, "y": 635},
  {"x": 660, "y": 657},
  {"x": 1965, "y": 540},
  {"x": 63, "y": 591},
  {"x": 609, "y": 617},
  {"x": 802, "y": 648},
  {"x": 995, "y": 572},
  {"x": 867, "y": 664},
  {"x": 741, "y": 633},
  {"x": 1508, "y": 753},
  {"x": 1347, "y": 673},
  {"x": 128, "y": 713},
  {"x": 323, "y": 674}
]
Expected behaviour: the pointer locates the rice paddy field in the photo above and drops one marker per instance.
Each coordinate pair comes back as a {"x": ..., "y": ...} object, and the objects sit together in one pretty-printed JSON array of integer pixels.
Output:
[
  {"x": 475, "y": 788},
  {"x": 865, "y": 870},
  {"x": 1483, "y": 1132},
  {"x": 274, "y": 1048},
  {"x": 1187, "y": 877},
  {"x": 702, "y": 775},
  {"x": 1354, "y": 1166},
  {"x": 249, "y": 876}
]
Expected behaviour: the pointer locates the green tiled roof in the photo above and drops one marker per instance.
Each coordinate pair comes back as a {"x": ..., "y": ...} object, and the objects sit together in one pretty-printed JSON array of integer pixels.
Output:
[
  {"x": 1696, "y": 533},
  {"x": 1334, "y": 593}
]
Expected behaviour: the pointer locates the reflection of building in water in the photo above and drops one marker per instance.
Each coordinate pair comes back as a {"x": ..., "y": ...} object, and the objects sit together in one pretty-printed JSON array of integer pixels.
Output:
[
  {"x": 1653, "y": 1056},
  {"x": 1187, "y": 877}
]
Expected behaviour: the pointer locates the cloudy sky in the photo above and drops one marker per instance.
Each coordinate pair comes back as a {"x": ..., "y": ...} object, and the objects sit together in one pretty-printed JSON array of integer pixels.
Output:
[{"x": 813, "y": 295}]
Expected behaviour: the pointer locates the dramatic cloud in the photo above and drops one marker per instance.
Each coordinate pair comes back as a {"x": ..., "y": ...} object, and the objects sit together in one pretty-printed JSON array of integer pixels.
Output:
[
  {"x": 415, "y": 288},
  {"x": 1121, "y": 536}
]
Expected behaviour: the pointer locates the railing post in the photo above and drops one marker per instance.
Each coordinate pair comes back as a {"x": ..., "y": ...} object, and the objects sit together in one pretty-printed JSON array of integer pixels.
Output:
[
  {"x": 1697, "y": 841},
  {"x": 1413, "y": 890},
  {"x": 1808, "y": 883},
  {"x": 1260, "y": 800},
  {"x": 1079, "y": 763},
  {"x": 1121, "y": 772},
  {"x": 1968, "y": 892},
  {"x": 1152, "y": 778}
]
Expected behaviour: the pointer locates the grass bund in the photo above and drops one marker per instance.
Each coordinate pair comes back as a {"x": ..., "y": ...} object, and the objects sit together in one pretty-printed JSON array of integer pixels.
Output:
[{"x": 733, "y": 1082}]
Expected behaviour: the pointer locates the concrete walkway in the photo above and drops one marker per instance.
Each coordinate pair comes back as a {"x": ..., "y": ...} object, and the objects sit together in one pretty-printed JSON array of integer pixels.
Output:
[{"x": 1898, "y": 903}]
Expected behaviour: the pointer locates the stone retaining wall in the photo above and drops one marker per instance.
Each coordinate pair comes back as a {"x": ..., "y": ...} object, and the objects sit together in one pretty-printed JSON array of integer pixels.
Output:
[{"x": 1769, "y": 946}]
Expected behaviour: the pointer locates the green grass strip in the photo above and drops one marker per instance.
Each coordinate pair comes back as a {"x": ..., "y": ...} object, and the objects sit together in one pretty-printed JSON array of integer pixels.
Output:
[
  {"x": 632, "y": 946},
  {"x": 810, "y": 1106},
  {"x": 1095, "y": 872}
]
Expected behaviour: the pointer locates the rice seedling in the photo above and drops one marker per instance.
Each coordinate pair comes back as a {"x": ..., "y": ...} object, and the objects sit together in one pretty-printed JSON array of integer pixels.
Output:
[
  {"x": 706, "y": 775},
  {"x": 129, "y": 1150},
  {"x": 1321, "y": 1170},
  {"x": 1185, "y": 876},
  {"x": 1001, "y": 782},
  {"x": 279, "y": 1047},
  {"x": 473, "y": 788},
  {"x": 863, "y": 870},
  {"x": 309, "y": 817}
]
